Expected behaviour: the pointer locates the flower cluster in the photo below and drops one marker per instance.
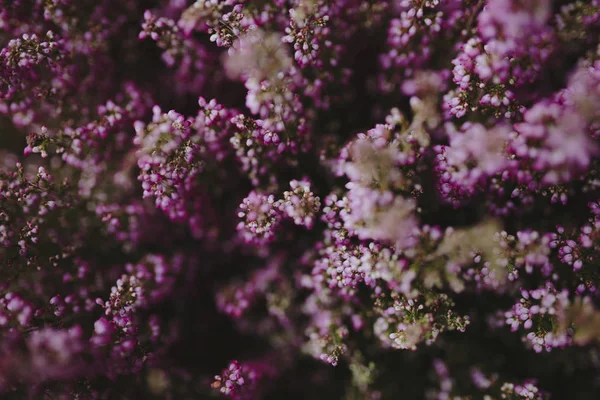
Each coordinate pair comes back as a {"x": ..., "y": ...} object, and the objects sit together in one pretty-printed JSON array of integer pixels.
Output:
[
  {"x": 189, "y": 57},
  {"x": 261, "y": 214},
  {"x": 540, "y": 305}
]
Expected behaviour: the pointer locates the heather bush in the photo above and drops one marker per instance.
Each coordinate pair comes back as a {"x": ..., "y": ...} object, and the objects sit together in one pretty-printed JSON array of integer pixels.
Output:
[{"x": 309, "y": 199}]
